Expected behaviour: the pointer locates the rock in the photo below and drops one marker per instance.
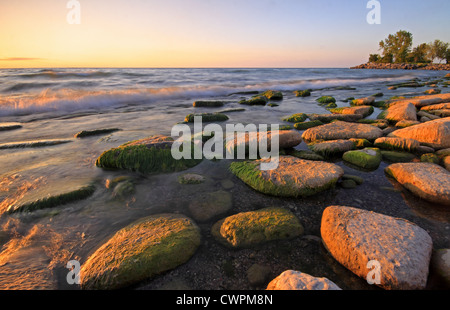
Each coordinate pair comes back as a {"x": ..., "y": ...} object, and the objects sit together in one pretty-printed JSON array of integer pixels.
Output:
[
  {"x": 142, "y": 250},
  {"x": 148, "y": 156},
  {"x": 368, "y": 158},
  {"x": 96, "y": 132},
  {"x": 327, "y": 118},
  {"x": 364, "y": 110},
  {"x": 434, "y": 107},
  {"x": 207, "y": 117},
  {"x": 422, "y": 101},
  {"x": 302, "y": 93},
  {"x": 191, "y": 178},
  {"x": 257, "y": 100},
  {"x": 258, "y": 274},
  {"x": 273, "y": 95},
  {"x": 348, "y": 184},
  {"x": 399, "y": 112},
  {"x": 430, "y": 158},
  {"x": 208, "y": 206},
  {"x": 446, "y": 162},
  {"x": 430, "y": 116},
  {"x": 32, "y": 144},
  {"x": 296, "y": 280},
  {"x": 435, "y": 134},
  {"x": 342, "y": 130},
  {"x": 432, "y": 91},
  {"x": 326, "y": 100},
  {"x": 307, "y": 125},
  {"x": 388, "y": 130},
  {"x": 380, "y": 123},
  {"x": 296, "y": 118},
  {"x": 53, "y": 201},
  {"x": 9, "y": 126},
  {"x": 424, "y": 149},
  {"x": 355, "y": 237},
  {"x": 405, "y": 123},
  {"x": 208, "y": 104},
  {"x": 444, "y": 152},
  {"x": 286, "y": 139},
  {"x": 227, "y": 184},
  {"x": 427, "y": 181},
  {"x": 361, "y": 143},
  {"x": 363, "y": 101},
  {"x": 332, "y": 148},
  {"x": 309, "y": 155},
  {"x": 252, "y": 228},
  {"x": 398, "y": 144},
  {"x": 440, "y": 263},
  {"x": 397, "y": 157},
  {"x": 358, "y": 180},
  {"x": 292, "y": 178},
  {"x": 123, "y": 189}
]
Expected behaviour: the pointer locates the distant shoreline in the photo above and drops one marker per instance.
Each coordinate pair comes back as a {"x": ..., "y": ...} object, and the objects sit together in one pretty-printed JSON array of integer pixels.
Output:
[{"x": 403, "y": 66}]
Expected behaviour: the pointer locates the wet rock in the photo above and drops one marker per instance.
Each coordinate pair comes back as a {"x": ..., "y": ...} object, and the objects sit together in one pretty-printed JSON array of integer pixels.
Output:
[
  {"x": 435, "y": 134},
  {"x": 434, "y": 107},
  {"x": 96, "y": 132},
  {"x": 355, "y": 237},
  {"x": 363, "y": 101},
  {"x": 252, "y": 228},
  {"x": 32, "y": 144},
  {"x": 309, "y": 155},
  {"x": 327, "y": 118},
  {"x": 440, "y": 263},
  {"x": 394, "y": 143},
  {"x": 293, "y": 177},
  {"x": 348, "y": 184},
  {"x": 296, "y": 118},
  {"x": 142, "y": 250},
  {"x": 307, "y": 125},
  {"x": 326, "y": 100},
  {"x": 302, "y": 93},
  {"x": 273, "y": 95},
  {"x": 406, "y": 123},
  {"x": 207, "y": 117},
  {"x": 399, "y": 112},
  {"x": 427, "y": 181},
  {"x": 432, "y": 91},
  {"x": 208, "y": 206},
  {"x": 123, "y": 189},
  {"x": 258, "y": 275},
  {"x": 208, "y": 104},
  {"x": 191, "y": 178},
  {"x": 342, "y": 130},
  {"x": 257, "y": 100},
  {"x": 430, "y": 158},
  {"x": 364, "y": 110},
  {"x": 148, "y": 156},
  {"x": 397, "y": 157},
  {"x": 446, "y": 162},
  {"x": 368, "y": 158},
  {"x": 296, "y": 280},
  {"x": 9, "y": 126},
  {"x": 358, "y": 180},
  {"x": 332, "y": 147}
]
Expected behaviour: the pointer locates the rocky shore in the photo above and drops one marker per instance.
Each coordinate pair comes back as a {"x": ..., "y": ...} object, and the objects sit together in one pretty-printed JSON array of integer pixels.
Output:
[{"x": 403, "y": 66}]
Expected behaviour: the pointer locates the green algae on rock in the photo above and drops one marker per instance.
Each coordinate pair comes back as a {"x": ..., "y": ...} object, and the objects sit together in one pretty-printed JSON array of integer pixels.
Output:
[
  {"x": 296, "y": 118},
  {"x": 293, "y": 177},
  {"x": 272, "y": 95},
  {"x": 148, "y": 156},
  {"x": 208, "y": 104},
  {"x": 140, "y": 251},
  {"x": 257, "y": 100},
  {"x": 95, "y": 132},
  {"x": 326, "y": 100},
  {"x": 302, "y": 93},
  {"x": 252, "y": 228},
  {"x": 307, "y": 125},
  {"x": 207, "y": 117},
  {"x": 368, "y": 158}
]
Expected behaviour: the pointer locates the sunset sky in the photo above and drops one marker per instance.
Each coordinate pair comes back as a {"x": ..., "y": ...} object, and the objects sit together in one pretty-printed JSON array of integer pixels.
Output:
[{"x": 208, "y": 33}]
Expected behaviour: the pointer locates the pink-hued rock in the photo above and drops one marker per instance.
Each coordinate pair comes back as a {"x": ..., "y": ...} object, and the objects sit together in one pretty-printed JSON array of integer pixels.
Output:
[{"x": 295, "y": 280}]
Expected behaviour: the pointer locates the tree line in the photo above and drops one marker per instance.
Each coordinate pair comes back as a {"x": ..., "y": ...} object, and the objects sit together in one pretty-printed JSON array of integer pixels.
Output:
[{"x": 398, "y": 48}]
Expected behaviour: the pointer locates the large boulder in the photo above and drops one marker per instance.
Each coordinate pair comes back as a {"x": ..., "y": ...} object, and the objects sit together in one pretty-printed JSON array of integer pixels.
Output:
[
  {"x": 342, "y": 130},
  {"x": 426, "y": 180},
  {"x": 144, "y": 249},
  {"x": 368, "y": 158},
  {"x": 148, "y": 156},
  {"x": 248, "y": 229},
  {"x": 293, "y": 177},
  {"x": 291, "y": 280},
  {"x": 435, "y": 133},
  {"x": 401, "y": 249},
  {"x": 399, "y": 112}
]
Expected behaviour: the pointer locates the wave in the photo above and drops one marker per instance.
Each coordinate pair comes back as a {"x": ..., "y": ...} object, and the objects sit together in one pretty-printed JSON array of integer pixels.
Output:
[{"x": 57, "y": 74}]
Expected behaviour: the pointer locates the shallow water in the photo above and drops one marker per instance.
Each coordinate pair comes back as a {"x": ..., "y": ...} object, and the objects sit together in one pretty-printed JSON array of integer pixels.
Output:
[{"x": 56, "y": 104}]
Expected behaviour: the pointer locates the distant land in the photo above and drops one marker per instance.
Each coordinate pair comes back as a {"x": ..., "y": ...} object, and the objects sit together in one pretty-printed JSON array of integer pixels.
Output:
[{"x": 404, "y": 66}]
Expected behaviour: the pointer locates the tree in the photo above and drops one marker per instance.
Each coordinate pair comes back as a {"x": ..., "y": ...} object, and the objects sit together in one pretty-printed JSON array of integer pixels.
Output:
[
  {"x": 398, "y": 45},
  {"x": 447, "y": 56},
  {"x": 437, "y": 50},
  {"x": 374, "y": 58},
  {"x": 419, "y": 54}
]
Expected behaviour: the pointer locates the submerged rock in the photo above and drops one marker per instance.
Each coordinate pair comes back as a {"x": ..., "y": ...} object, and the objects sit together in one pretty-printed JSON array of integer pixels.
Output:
[
  {"x": 397, "y": 157},
  {"x": 307, "y": 125},
  {"x": 9, "y": 126},
  {"x": 368, "y": 158},
  {"x": 252, "y": 228},
  {"x": 299, "y": 281},
  {"x": 32, "y": 144},
  {"x": 210, "y": 205},
  {"x": 435, "y": 134},
  {"x": 342, "y": 130},
  {"x": 89, "y": 133},
  {"x": 148, "y": 156},
  {"x": 355, "y": 237},
  {"x": 142, "y": 250},
  {"x": 207, "y": 117},
  {"x": 208, "y": 104},
  {"x": 425, "y": 180},
  {"x": 293, "y": 177}
]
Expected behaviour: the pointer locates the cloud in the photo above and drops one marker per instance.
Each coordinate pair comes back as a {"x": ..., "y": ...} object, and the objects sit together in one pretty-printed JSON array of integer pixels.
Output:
[{"x": 19, "y": 59}]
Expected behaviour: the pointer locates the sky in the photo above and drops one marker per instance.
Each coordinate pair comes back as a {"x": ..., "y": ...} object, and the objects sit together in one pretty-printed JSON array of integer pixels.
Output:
[{"x": 209, "y": 33}]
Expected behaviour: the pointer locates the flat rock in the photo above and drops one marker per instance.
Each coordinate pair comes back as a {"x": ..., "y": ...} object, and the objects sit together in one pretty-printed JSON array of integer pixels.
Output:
[
  {"x": 355, "y": 237},
  {"x": 368, "y": 158},
  {"x": 295, "y": 280},
  {"x": 396, "y": 143},
  {"x": 326, "y": 118},
  {"x": 342, "y": 130},
  {"x": 248, "y": 229},
  {"x": 426, "y": 180},
  {"x": 400, "y": 111},
  {"x": 435, "y": 133},
  {"x": 363, "y": 110},
  {"x": 142, "y": 250},
  {"x": 332, "y": 147},
  {"x": 210, "y": 205},
  {"x": 293, "y": 177}
]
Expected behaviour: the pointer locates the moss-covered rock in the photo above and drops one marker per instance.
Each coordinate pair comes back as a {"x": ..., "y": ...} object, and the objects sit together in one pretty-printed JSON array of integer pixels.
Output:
[
  {"x": 397, "y": 157},
  {"x": 208, "y": 104},
  {"x": 273, "y": 95},
  {"x": 430, "y": 158},
  {"x": 124, "y": 189},
  {"x": 293, "y": 177},
  {"x": 368, "y": 158},
  {"x": 308, "y": 155},
  {"x": 207, "y": 117},
  {"x": 54, "y": 200},
  {"x": 326, "y": 100},
  {"x": 95, "y": 132},
  {"x": 191, "y": 178},
  {"x": 302, "y": 93},
  {"x": 307, "y": 125},
  {"x": 142, "y": 250},
  {"x": 361, "y": 143},
  {"x": 148, "y": 156},
  {"x": 257, "y": 100},
  {"x": 396, "y": 144},
  {"x": 363, "y": 101},
  {"x": 296, "y": 118},
  {"x": 361, "y": 110},
  {"x": 248, "y": 229}
]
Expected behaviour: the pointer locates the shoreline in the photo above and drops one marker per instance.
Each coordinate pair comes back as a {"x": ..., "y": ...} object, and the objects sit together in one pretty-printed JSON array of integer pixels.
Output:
[{"x": 403, "y": 66}]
